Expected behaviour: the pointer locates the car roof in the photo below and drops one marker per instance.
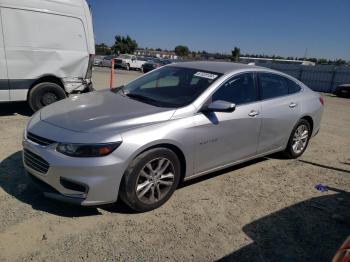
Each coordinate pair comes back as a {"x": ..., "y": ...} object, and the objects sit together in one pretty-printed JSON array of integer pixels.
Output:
[{"x": 218, "y": 67}]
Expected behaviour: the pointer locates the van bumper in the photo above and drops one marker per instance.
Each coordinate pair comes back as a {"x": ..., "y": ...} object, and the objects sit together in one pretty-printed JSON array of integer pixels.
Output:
[{"x": 77, "y": 85}]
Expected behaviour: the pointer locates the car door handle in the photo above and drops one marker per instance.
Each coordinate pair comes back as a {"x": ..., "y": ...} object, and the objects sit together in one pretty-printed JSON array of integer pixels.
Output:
[
  {"x": 253, "y": 113},
  {"x": 292, "y": 105}
]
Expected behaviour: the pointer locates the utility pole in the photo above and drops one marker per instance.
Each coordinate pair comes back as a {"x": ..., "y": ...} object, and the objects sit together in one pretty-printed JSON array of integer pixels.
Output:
[{"x": 305, "y": 55}]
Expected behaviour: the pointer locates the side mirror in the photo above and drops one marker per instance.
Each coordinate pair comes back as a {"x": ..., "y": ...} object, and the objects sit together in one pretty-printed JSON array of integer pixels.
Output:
[{"x": 221, "y": 106}]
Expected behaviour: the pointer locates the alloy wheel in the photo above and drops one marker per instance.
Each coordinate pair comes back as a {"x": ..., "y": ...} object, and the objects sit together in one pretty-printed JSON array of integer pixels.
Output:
[
  {"x": 155, "y": 180},
  {"x": 300, "y": 139}
]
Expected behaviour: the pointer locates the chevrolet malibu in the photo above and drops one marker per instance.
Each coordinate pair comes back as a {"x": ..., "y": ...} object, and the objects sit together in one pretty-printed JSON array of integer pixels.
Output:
[{"x": 181, "y": 121}]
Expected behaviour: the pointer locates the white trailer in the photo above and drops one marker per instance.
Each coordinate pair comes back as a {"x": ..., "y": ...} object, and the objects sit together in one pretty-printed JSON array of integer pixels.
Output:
[{"x": 46, "y": 50}]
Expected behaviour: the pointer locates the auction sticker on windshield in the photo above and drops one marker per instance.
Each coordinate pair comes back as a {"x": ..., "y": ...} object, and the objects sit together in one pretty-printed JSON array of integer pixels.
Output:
[{"x": 206, "y": 75}]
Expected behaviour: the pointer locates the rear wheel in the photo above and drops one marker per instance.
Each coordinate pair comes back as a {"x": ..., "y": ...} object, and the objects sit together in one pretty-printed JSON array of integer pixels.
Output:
[
  {"x": 298, "y": 140},
  {"x": 151, "y": 179},
  {"x": 44, "y": 94},
  {"x": 127, "y": 67}
]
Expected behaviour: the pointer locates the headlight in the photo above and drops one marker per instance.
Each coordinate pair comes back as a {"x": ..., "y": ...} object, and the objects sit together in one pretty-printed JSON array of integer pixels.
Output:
[{"x": 85, "y": 150}]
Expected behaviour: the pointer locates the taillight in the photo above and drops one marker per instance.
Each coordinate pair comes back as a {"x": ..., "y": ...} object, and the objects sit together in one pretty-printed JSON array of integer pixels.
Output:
[
  {"x": 321, "y": 100},
  {"x": 90, "y": 65}
]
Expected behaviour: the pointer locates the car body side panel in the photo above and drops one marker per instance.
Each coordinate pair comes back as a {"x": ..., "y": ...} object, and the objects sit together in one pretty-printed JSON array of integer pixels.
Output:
[
  {"x": 278, "y": 120},
  {"x": 222, "y": 138}
]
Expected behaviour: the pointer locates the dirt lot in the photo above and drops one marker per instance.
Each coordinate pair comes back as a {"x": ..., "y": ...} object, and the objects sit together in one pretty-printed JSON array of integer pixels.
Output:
[{"x": 266, "y": 210}]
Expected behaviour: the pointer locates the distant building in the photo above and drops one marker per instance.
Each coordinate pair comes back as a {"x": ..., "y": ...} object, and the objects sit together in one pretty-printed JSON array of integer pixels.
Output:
[
  {"x": 155, "y": 53},
  {"x": 272, "y": 61}
]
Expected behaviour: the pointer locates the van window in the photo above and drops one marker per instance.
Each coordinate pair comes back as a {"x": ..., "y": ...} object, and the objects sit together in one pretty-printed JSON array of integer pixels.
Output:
[{"x": 29, "y": 29}]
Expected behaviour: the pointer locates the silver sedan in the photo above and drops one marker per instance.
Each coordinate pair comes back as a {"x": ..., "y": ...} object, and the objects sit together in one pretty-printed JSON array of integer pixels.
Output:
[{"x": 175, "y": 123}]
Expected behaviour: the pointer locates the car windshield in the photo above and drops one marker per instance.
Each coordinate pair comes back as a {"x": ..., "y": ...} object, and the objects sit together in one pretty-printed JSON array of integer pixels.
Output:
[{"x": 170, "y": 86}]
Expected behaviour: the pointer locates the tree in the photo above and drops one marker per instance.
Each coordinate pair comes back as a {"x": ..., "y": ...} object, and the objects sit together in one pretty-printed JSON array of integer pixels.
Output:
[
  {"x": 124, "y": 45},
  {"x": 236, "y": 53},
  {"x": 182, "y": 50},
  {"x": 340, "y": 62},
  {"x": 102, "y": 49}
]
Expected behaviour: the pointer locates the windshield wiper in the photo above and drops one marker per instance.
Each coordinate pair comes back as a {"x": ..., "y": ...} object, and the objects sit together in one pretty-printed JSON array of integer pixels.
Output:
[{"x": 142, "y": 98}]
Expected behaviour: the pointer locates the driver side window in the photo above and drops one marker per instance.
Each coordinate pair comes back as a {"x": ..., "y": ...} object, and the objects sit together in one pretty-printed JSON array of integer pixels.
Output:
[{"x": 238, "y": 90}]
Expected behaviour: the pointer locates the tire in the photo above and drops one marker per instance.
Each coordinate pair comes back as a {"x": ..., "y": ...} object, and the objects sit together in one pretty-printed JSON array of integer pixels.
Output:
[
  {"x": 343, "y": 92},
  {"x": 141, "y": 200},
  {"x": 127, "y": 67},
  {"x": 293, "y": 150},
  {"x": 44, "y": 94},
  {"x": 141, "y": 69}
]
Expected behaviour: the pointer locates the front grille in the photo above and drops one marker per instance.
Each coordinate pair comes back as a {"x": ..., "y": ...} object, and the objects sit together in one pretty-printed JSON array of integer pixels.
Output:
[
  {"x": 35, "y": 162},
  {"x": 39, "y": 140}
]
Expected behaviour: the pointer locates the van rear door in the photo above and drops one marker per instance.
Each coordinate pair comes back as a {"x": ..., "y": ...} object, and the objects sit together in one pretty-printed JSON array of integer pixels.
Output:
[{"x": 4, "y": 84}]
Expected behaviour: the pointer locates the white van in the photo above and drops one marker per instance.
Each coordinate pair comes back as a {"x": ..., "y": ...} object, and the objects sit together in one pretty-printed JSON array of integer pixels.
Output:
[{"x": 46, "y": 50}]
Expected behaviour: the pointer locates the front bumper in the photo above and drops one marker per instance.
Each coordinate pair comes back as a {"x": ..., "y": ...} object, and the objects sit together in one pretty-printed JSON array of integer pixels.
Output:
[{"x": 99, "y": 177}]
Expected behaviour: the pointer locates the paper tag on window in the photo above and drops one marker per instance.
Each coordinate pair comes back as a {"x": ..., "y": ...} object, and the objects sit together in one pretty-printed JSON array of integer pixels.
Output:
[{"x": 206, "y": 75}]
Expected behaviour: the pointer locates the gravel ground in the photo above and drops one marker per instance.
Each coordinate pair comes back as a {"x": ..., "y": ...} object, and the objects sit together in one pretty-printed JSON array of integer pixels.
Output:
[{"x": 265, "y": 210}]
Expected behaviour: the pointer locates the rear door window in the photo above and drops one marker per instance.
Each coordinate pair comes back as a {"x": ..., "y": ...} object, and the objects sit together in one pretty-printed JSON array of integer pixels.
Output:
[
  {"x": 292, "y": 86},
  {"x": 272, "y": 86},
  {"x": 239, "y": 90}
]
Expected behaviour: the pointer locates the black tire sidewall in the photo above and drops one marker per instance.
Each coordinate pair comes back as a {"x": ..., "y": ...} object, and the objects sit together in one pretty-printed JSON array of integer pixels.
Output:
[
  {"x": 289, "y": 150},
  {"x": 37, "y": 92},
  {"x": 129, "y": 181}
]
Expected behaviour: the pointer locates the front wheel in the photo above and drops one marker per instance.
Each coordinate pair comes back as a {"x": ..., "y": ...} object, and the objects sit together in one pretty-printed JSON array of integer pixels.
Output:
[
  {"x": 127, "y": 67},
  {"x": 298, "y": 140},
  {"x": 44, "y": 94},
  {"x": 151, "y": 179}
]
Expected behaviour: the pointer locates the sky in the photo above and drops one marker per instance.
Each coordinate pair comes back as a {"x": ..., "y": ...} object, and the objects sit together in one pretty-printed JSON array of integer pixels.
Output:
[{"x": 271, "y": 27}]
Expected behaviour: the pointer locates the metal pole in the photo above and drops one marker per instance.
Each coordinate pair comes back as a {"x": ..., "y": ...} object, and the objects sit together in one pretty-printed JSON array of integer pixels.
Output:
[{"x": 111, "y": 82}]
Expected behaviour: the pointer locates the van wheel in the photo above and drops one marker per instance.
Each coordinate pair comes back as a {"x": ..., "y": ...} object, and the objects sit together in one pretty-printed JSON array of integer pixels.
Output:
[
  {"x": 44, "y": 94},
  {"x": 127, "y": 67}
]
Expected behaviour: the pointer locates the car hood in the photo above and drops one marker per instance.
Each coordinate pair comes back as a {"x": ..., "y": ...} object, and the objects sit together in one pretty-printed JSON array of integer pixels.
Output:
[{"x": 103, "y": 111}]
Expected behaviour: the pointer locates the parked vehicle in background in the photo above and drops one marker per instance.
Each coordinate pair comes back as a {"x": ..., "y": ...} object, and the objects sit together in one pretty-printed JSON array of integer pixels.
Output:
[
  {"x": 107, "y": 61},
  {"x": 129, "y": 62},
  {"x": 175, "y": 123},
  {"x": 154, "y": 63},
  {"x": 98, "y": 60},
  {"x": 342, "y": 90},
  {"x": 46, "y": 50}
]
